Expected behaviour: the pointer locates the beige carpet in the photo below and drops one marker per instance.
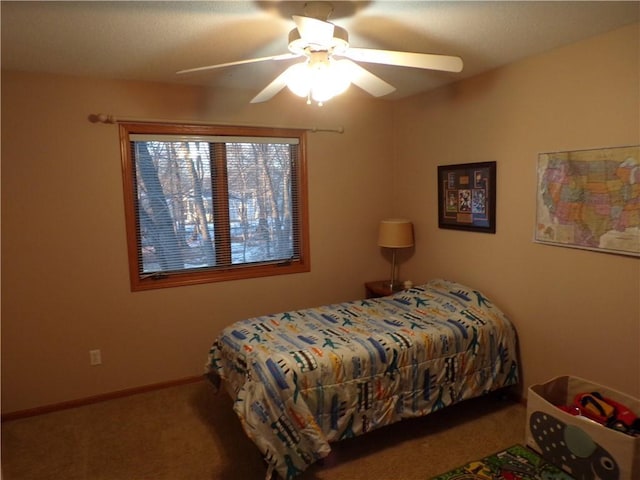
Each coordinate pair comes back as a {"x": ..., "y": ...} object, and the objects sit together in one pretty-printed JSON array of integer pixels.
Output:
[{"x": 191, "y": 433}]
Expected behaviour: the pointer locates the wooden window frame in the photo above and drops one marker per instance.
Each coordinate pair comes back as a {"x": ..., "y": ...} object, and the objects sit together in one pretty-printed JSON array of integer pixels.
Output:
[{"x": 300, "y": 217}]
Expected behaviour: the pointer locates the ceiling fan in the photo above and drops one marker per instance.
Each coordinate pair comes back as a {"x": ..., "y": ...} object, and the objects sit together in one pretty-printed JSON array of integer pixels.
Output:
[{"x": 329, "y": 64}]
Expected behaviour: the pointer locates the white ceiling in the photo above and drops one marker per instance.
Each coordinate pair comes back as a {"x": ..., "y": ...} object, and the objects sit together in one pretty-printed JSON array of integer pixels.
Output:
[{"x": 152, "y": 40}]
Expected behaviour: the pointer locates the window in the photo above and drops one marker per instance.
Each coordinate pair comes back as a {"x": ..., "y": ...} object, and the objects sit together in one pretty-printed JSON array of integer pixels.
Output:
[{"x": 207, "y": 204}]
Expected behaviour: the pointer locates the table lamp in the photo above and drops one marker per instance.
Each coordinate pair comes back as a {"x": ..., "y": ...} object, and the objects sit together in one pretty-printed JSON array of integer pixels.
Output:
[{"x": 395, "y": 233}]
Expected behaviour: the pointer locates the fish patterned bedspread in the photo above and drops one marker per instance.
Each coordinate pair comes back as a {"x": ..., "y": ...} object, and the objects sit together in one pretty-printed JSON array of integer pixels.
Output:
[{"x": 304, "y": 378}]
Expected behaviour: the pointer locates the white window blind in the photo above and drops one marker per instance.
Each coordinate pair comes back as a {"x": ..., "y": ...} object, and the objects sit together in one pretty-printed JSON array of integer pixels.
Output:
[{"x": 214, "y": 202}]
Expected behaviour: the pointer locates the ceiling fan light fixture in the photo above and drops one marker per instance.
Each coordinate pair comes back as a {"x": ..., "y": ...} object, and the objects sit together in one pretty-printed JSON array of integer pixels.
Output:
[
  {"x": 299, "y": 79},
  {"x": 320, "y": 78},
  {"x": 330, "y": 81}
]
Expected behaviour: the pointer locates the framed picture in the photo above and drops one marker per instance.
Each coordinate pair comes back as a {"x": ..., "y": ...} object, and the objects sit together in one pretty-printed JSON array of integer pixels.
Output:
[{"x": 467, "y": 197}]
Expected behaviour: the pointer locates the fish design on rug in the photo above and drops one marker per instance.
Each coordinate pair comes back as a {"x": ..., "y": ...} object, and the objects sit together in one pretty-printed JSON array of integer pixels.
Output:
[{"x": 569, "y": 447}]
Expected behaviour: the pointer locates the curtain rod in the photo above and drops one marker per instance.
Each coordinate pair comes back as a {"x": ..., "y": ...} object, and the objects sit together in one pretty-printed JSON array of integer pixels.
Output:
[{"x": 112, "y": 119}]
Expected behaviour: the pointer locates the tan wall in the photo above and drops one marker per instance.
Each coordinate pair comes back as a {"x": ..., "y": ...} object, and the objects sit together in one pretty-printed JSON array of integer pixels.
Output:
[
  {"x": 577, "y": 312},
  {"x": 65, "y": 285}
]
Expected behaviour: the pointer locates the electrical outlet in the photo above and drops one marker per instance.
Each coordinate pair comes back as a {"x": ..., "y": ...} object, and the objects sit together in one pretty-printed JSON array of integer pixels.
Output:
[{"x": 95, "y": 357}]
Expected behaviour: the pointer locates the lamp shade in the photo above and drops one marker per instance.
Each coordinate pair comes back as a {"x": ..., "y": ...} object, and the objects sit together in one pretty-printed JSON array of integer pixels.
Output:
[{"x": 395, "y": 233}]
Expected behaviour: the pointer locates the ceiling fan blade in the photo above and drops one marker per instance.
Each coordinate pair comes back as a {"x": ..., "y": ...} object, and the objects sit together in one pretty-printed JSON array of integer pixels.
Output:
[
  {"x": 273, "y": 88},
  {"x": 284, "y": 56},
  {"x": 366, "y": 80},
  {"x": 313, "y": 31},
  {"x": 405, "y": 59}
]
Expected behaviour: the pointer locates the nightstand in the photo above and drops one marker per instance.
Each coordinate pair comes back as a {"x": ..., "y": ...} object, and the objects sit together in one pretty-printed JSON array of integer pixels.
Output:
[{"x": 380, "y": 288}]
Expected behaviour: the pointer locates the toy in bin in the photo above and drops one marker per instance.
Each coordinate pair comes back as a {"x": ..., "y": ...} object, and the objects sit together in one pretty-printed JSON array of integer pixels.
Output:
[{"x": 605, "y": 411}]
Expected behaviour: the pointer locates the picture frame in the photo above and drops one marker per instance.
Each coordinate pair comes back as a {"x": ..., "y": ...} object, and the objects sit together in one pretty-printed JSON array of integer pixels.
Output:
[{"x": 467, "y": 197}]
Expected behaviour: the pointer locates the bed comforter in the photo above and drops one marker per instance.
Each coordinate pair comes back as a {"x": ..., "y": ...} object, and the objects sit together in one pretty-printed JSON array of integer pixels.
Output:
[{"x": 305, "y": 378}]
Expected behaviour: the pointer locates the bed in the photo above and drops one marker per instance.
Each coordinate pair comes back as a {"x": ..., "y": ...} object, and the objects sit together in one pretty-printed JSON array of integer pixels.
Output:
[{"x": 303, "y": 379}]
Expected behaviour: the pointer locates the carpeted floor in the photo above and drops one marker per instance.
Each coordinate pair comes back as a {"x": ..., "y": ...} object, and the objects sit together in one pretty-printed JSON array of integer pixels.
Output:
[{"x": 190, "y": 432}]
